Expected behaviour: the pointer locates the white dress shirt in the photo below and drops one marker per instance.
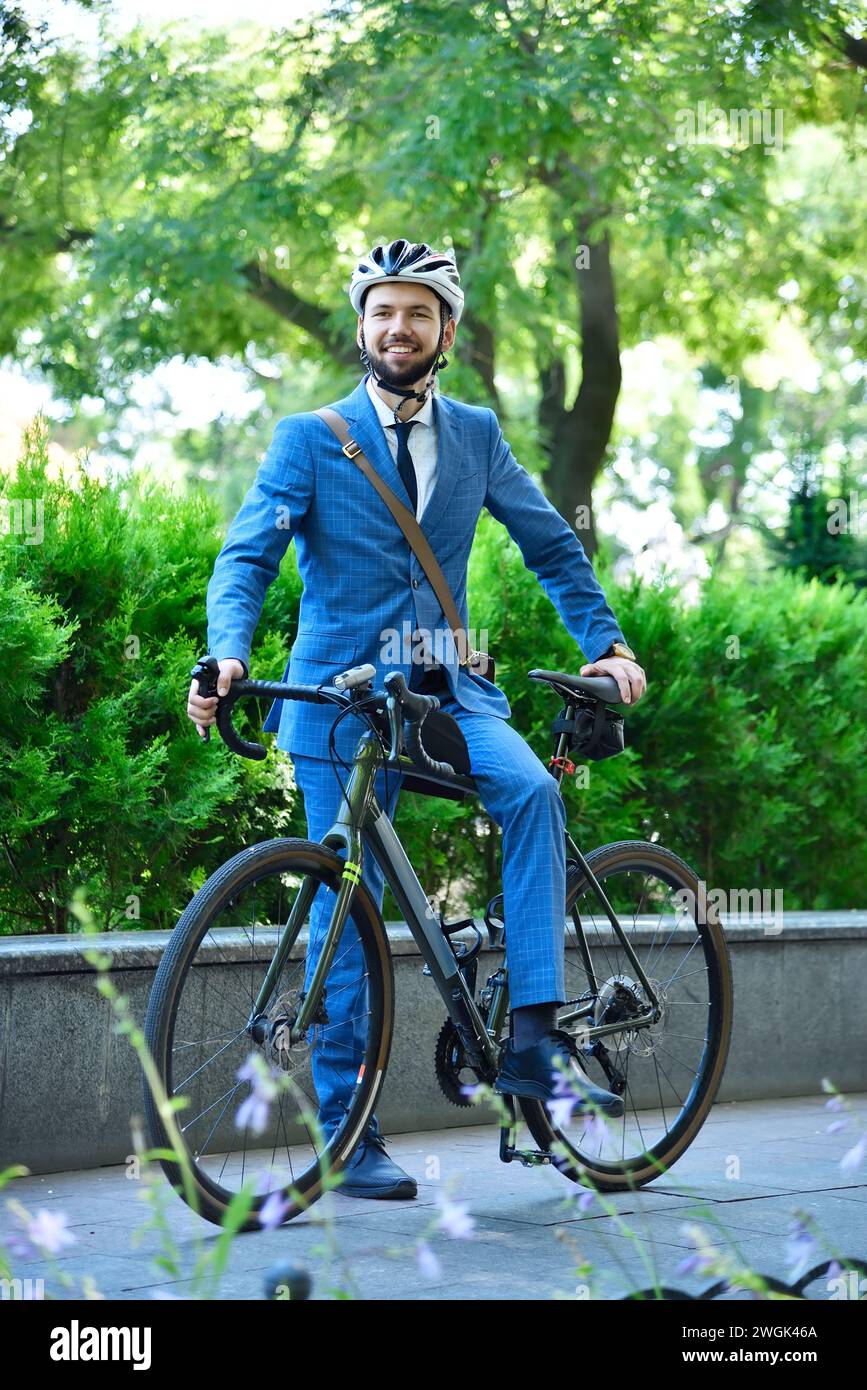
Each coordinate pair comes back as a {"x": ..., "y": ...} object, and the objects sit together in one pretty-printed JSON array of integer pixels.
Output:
[{"x": 422, "y": 443}]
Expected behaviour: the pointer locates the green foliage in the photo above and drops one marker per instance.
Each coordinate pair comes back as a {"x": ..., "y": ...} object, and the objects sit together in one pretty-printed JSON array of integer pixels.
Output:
[
  {"x": 745, "y": 756},
  {"x": 810, "y": 548},
  {"x": 749, "y": 742},
  {"x": 148, "y": 185},
  {"x": 175, "y": 192},
  {"x": 103, "y": 781}
]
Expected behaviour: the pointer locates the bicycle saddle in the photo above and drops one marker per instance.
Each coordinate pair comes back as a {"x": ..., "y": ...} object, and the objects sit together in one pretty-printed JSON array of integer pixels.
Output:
[{"x": 596, "y": 687}]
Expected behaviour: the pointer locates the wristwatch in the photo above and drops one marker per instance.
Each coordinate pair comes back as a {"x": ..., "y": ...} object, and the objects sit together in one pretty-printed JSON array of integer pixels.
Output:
[{"x": 618, "y": 649}]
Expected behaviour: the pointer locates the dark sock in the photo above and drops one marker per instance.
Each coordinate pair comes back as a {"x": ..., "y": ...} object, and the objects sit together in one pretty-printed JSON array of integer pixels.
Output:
[{"x": 531, "y": 1023}]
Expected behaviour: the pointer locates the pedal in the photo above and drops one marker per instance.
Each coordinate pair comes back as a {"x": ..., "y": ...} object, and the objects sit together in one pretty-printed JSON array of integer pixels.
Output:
[{"x": 530, "y": 1158}]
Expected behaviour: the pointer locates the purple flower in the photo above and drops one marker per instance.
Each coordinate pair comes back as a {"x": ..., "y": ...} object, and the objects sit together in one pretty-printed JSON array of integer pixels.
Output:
[
  {"x": 835, "y": 1103},
  {"x": 835, "y": 1269},
  {"x": 455, "y": 1218},
  {"x": 471, "y": 1091},
  {"x": 560, "y": 1110},
  {"x": 854, "y": 1157},
  {"x": 836, "y": 1125},
  {"x": 570, "y": 1091},
  {"x": 586, "y": 1200},
  {"x": 596, "y": 1128},
  {"x": 800, "y": 1250},
  {"x": 18, "y": 1244},
  {"x": 705, "y": 1256},
  {"x": 273, "y": 1212},
  {"x": 49, "y": 1232},
  {"x": 427, "y": 1261},
  {"x": 566, "y": 1083},
  {"x": 253, "y": 1112}
]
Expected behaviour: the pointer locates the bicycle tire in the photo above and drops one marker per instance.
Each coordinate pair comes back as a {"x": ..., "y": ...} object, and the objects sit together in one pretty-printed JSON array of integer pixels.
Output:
[
  {"x": 261, "y": 863},
  {"x": 628, "y": 1174}
]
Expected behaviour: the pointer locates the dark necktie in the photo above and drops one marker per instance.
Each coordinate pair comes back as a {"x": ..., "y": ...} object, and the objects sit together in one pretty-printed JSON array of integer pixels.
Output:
[{"x": 405, "y": 465}]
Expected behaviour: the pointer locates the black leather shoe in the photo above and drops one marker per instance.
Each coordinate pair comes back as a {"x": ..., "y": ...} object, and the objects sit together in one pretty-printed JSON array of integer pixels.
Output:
[
  {"x": 371, "y": 1173},
  {"x": 533, "y": 1073}
]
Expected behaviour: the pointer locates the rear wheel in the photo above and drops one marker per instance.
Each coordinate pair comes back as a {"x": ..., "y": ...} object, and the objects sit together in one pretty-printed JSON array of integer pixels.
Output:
[
  {"x": 667, "y": 1071},
  {"x": 244, "y": 1117}
]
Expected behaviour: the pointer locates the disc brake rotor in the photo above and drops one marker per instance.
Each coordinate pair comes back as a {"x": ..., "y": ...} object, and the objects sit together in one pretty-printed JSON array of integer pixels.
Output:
[{"x": 286, "y": 1053}]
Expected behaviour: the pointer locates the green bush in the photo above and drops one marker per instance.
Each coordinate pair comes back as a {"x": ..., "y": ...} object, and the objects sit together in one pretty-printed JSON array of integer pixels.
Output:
[{"x": 103, "y": 780}]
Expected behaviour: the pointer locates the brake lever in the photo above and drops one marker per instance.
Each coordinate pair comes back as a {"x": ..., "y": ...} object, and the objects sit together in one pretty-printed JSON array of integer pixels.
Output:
[
  {"x": 207, "y": 672},
  {"x": 395, "y": 725}
]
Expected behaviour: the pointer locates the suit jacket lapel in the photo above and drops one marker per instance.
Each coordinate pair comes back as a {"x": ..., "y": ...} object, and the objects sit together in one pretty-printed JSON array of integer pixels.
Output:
[
  {"x": 359, "y": 414},
  {"x": 363, "y": 421},
  {"x": 447, "y": 467}
]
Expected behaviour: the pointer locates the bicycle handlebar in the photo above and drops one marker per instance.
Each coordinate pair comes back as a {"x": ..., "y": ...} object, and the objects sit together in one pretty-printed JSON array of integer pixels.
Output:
[
  {"x": 401, "y": 702},
  {"x": 206, "y": 672}
]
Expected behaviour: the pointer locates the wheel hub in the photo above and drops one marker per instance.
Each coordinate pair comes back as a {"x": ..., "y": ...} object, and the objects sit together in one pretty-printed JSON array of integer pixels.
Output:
[
  {"x": 621, "y": 999},
  {"x": 281, "y": 1018}
]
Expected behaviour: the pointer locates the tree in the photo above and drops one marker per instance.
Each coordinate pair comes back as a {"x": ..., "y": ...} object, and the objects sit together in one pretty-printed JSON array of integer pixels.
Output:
[{"x": 207, "y": 195}]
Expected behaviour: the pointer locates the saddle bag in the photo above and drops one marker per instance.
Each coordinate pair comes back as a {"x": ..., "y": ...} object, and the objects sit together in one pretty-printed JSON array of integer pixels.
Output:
[{"x": 594, "y": 731}]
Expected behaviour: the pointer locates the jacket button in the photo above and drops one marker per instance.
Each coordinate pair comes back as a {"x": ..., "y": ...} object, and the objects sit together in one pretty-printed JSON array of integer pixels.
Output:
[{"x": 415, "y": 583}]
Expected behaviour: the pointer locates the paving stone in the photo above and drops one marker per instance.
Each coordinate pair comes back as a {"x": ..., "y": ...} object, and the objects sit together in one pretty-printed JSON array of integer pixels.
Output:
[{"x": 529, "y": 1237}]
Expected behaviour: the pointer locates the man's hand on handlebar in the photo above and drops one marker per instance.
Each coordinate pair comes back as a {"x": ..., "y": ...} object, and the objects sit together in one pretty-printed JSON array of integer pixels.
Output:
[{"x": 203, "y": 712}]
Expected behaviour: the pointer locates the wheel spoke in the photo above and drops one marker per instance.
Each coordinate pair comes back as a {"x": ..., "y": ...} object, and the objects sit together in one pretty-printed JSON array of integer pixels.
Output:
[{"x": 181, "y": 1084}]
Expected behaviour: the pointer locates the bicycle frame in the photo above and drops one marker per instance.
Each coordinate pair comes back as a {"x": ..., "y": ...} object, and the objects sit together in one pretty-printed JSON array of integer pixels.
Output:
[{"x": 361, "y": 822}]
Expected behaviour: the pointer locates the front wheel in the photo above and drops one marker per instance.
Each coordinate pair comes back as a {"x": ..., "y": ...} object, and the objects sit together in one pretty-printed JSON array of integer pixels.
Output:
[
  {"x": 255, "y": 1106},
  {"x": 669, "y": 1070}
]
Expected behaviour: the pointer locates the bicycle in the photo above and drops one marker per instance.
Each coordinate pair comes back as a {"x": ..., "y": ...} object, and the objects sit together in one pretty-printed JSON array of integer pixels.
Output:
[{"x": 231, "y": 979}]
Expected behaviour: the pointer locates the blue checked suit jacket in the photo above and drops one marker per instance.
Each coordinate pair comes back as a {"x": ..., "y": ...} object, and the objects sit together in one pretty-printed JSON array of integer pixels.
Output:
[{"x": 360, "y": 576}]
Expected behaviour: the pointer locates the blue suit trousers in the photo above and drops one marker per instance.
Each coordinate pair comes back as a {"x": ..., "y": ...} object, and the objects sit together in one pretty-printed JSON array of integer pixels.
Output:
[{"x": 519, "y": 793}]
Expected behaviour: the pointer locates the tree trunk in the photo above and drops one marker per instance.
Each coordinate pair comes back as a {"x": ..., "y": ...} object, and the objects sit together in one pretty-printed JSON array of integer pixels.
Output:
[
  {"x": 577, "y": 438},
  {"x": 477, "y": 339}
]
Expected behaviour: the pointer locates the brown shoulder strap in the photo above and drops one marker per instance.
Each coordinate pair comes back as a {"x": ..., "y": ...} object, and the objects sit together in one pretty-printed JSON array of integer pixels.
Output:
[{"x": 409, "y": 526}]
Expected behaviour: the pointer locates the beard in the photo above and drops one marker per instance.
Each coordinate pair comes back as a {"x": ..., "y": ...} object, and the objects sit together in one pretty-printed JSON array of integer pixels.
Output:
[{"x": 406, "y": 373}]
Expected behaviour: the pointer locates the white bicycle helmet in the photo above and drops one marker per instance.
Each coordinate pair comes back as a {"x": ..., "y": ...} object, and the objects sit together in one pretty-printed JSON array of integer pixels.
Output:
[{"x": 405, "y": 260}]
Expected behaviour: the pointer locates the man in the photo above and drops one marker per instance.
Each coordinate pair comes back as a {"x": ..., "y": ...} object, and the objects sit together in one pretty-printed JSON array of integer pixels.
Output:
[{"x": 363, "y": 584}]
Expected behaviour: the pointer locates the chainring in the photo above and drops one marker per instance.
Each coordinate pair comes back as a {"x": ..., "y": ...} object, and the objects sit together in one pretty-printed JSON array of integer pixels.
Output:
[{"x": 449, "y": 1061}]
